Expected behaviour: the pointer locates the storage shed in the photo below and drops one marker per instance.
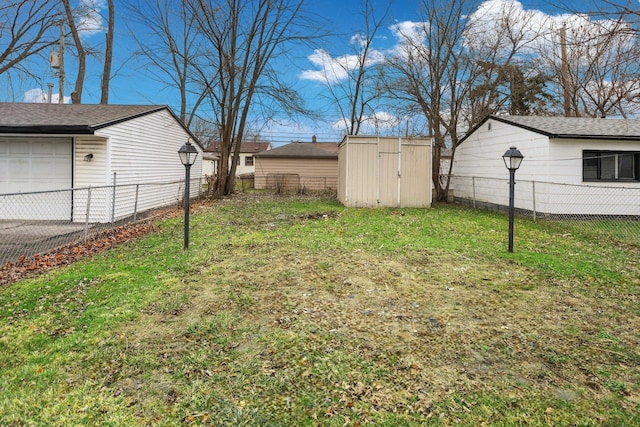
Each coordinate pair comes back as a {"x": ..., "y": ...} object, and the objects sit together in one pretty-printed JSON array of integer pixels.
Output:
[{"x": 379, "y": 171}]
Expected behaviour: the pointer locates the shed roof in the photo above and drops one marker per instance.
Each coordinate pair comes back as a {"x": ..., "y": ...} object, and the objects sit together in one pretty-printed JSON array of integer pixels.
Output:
[
  {"x": 574, "y": 127},
  {"x": 316, "y": 150},
  {"x": 67, "y": 118}
]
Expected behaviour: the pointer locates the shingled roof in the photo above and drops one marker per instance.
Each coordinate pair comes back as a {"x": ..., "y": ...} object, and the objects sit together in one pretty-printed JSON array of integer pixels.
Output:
[
  {"x": 575, "y": 127},
  {"x": 303, "y": 150},
  {"x": 245, "y": 147},
  {"x": 68, "y": 118}
]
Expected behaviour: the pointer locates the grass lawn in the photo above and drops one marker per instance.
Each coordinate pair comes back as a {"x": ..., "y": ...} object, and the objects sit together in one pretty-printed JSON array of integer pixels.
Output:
[{"x": 297, "y": 311}]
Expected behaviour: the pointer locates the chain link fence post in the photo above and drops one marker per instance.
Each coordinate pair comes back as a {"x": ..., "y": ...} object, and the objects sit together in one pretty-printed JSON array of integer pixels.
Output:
[{"x": 86, "y": 216}]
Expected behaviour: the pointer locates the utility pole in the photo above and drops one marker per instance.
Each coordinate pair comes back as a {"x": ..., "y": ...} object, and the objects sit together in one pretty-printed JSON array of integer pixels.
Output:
[{"x": 61, "y": 58}]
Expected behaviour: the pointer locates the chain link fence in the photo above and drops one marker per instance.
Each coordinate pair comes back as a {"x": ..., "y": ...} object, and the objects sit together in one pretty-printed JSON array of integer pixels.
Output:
[
  {"x": 297, "y": 183},
  {"x": 608, "y": 211},
  {"x": 40, "y": 222}
]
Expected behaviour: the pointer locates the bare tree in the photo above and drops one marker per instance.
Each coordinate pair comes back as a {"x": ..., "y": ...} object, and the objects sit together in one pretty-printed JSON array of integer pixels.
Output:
[
  {"x": 242, "y": 39},
  {"x": 597, "y": 64},
  {"x": 26, "y": 30},
  {"x": 171, "y": 46},
  {"x": 451, "y": 68},
  {"x": 604, "y": 10},
  {"x": 596, "y": 57},
  {"x": 108, "y": 55},
  {"x": 350, "y": 79},
  {"x": 612, "y": 74},
  {"x": 76, "y": 95}
]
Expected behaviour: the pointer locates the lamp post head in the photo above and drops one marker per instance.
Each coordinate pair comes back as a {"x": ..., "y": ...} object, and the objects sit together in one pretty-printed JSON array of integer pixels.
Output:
[
  {"x": 188, "y": 154},
  {"x": 512, "y": 159}
]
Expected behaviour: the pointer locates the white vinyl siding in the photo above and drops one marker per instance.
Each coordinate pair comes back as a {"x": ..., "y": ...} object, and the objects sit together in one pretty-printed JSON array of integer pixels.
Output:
[
  {"x": 145, "y": 150},
  {"x": 551, "y": 167},
  {"x": 244, "y": 168},
  {"x": 481, "y": 154},
  {"x": 92, "y": 173},
  {"x": 138, "y": 151}
]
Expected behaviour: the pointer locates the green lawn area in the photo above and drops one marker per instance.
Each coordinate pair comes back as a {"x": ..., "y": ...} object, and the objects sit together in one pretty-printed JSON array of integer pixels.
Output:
[{"x": 297, "y": 311}]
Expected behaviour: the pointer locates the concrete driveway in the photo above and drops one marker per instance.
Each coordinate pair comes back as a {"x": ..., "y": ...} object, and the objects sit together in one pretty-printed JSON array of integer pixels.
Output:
[{"x": 27, "y": 238}]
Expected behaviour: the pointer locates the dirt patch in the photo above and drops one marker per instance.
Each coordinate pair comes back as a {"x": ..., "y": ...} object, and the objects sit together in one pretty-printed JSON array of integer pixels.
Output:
[{"x": 438, "y": 327}]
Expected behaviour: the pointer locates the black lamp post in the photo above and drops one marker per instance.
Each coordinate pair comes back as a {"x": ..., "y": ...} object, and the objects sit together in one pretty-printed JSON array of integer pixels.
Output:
[
  {"x": 188, "y": 154},
  {"x": 512, "y": 159}
]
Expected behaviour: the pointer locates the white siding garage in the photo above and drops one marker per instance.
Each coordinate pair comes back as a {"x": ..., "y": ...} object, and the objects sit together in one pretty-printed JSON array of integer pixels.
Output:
[
  {"x": 35, "y": 164},
  {"x": 566, "y": 167},
  {"x": 30, "y": 164},
  {"x": 80, "y": 149}
]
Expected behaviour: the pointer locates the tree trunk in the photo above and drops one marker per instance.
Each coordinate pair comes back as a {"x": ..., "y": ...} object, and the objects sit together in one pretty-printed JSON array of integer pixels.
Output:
[
  {"x": 108, "y": 56},
  {"x": 76, "y": 95}
]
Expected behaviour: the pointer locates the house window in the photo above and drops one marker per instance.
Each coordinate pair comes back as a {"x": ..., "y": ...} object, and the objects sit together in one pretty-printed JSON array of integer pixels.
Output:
[
  {"x": 238, "y": 161},
  {"x": 610, "y": 165},
  {"x": 248, "y": 161}
]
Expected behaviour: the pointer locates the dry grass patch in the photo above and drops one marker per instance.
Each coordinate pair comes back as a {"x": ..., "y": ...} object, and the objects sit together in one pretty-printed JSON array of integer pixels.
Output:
[{"x": 301, "y": 312}]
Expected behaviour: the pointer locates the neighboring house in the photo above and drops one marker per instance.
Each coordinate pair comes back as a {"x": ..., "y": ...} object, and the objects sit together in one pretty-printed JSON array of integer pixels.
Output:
[
  {"x": 570, "y": 163},
  {"x": 446, "y": 154},
  {"x": 445, "y": 160},
  {"x": 47, "y": 147},
  {"x": 384, "y": 171},
  {"x": 245, "y": 163},
  {"x": 298, "y": 165}
]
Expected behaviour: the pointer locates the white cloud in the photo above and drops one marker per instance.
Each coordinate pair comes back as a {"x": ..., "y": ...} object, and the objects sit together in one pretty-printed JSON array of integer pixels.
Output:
[
  {"x": 538, "y": 31},
  {"x": 493, "y": 25},
  {"x": 497, "y": 23},
  {"x": 359, "y": 40},
  {"x": 336, "y": 69},
  {"x": 410, "y": 32},
  {"x": 35, "y": 96},
  {"x": 410, "y": 38},
  {"x": 88, "y": 17},
  {"x": 39, "y": 96},
  {"x": 380, "y": 123},
  {"x": 331, "y": 70}
]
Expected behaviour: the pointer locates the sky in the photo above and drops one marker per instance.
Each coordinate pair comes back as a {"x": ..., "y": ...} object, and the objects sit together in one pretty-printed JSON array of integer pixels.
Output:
[{"x": 131, "y": 84}]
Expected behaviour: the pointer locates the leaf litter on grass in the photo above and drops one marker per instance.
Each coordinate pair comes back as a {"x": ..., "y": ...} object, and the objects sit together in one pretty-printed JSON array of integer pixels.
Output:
[
  {"x": 279, "y": 329},
  {"x": 356, "y": 335}
]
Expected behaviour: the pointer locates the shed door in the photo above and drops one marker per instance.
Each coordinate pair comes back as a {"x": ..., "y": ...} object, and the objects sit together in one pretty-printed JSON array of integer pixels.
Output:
[
  {"x": 389, "y": 176},
  {"x": 29, "y": 164}
]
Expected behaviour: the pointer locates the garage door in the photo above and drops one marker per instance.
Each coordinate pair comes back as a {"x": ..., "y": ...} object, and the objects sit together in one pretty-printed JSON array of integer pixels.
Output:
[{"x": 36, "y": 164}]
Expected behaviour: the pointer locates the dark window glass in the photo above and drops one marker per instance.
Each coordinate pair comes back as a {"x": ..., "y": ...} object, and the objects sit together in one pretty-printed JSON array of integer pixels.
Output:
[
  {"x": 626, "y": 166},
  {"x": 610, "y": 165},
  {"x": 590, "y": 165}
]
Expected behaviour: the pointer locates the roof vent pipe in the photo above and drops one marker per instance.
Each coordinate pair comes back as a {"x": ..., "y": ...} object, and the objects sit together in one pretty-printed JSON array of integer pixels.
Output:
[{"x": 49, "y": 92}]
